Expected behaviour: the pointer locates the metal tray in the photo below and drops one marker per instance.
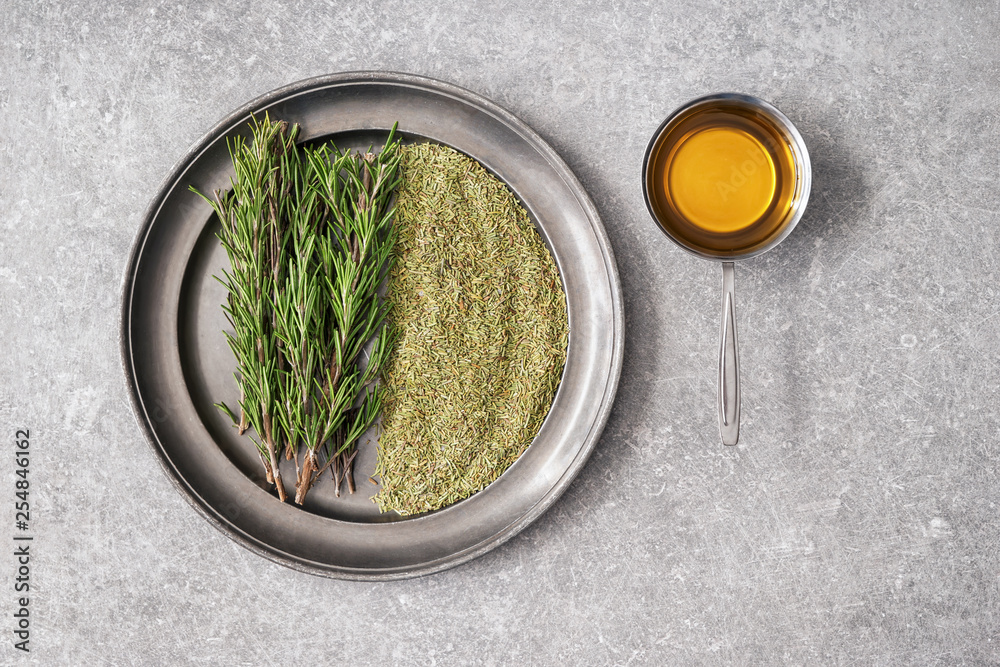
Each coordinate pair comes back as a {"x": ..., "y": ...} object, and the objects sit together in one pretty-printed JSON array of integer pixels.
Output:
[{"x": 177, "y": 364}]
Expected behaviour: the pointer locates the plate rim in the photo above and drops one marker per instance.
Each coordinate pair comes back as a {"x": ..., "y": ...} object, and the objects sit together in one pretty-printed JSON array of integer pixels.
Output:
[{"x": 142, "y": 416}]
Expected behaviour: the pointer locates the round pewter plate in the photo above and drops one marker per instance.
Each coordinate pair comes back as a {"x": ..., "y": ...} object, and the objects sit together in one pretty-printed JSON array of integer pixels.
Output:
[{"x": 177, "y": 364}]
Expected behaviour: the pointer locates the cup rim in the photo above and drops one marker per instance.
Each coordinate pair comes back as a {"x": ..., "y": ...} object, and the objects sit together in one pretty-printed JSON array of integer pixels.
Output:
[{"x": 786, "y": 126}]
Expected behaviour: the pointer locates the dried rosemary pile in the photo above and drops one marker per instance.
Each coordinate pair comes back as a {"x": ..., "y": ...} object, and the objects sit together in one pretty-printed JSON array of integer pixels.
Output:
[
  {"x": 309, "y": 237},
  {"x": 481, "y": 317}
]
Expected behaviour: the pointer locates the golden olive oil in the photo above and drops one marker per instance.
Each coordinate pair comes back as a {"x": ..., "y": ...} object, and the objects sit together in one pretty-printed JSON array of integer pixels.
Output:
[{"x": 722, "y": 178}]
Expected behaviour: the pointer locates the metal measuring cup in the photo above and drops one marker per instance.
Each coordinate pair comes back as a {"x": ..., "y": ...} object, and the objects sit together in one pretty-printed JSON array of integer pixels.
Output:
[{"x": 729, "y": 375}]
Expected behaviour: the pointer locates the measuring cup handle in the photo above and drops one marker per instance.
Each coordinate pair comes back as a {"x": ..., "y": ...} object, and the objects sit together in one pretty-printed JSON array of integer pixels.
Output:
[{"x": 729, "y": 361}]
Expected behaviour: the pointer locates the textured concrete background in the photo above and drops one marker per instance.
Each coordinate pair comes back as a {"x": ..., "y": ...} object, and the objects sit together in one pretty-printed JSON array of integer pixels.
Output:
[{"x": 856, "y": 522}]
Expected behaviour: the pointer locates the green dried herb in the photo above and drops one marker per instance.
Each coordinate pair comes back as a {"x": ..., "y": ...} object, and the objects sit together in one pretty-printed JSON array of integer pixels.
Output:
[
  {"x": 309, "y": 237},
  {"x": 481, "y": 317}
]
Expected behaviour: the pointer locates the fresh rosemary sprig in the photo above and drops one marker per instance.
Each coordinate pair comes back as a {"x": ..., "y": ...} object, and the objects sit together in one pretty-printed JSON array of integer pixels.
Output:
[
  {"x": 310, "y": 239},
  {"x": 353, "y": 252},
  {"x": 253, "y": 236}
]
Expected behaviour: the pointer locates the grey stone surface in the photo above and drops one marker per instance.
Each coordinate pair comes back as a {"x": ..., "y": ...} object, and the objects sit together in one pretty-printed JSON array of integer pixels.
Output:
[{"x": 856, "y": 522}]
